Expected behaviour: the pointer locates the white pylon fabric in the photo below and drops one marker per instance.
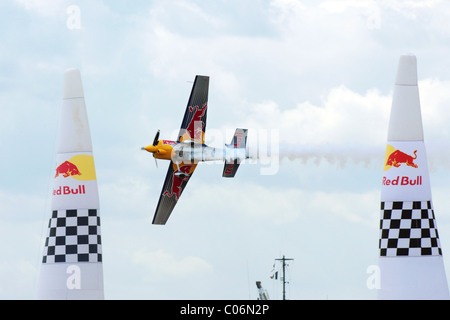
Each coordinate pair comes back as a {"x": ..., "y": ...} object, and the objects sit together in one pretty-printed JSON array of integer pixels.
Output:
[
  {"x": 410, "y": 261},
  {"x": 72, "y": 258}
]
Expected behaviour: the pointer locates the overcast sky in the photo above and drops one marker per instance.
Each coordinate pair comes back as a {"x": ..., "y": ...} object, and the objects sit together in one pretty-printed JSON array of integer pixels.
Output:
[{"x": 313, "y": 79}]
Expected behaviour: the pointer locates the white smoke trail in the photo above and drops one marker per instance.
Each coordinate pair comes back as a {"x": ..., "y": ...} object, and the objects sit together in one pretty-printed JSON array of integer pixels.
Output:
[
  {"x": 438, "y": 157},
  {"x": 339, "y": 155}
]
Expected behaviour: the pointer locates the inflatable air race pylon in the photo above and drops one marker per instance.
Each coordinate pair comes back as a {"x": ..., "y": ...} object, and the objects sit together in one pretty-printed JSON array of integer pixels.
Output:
[
  {"x": 72, "y": 260},
  {"x": 410, "y": 261}
]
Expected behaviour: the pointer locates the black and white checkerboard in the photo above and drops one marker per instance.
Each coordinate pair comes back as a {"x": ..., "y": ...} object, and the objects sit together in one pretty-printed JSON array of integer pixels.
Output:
[
  {"x": 408, "y": 228},
  {"x": 73, "y": 236}
]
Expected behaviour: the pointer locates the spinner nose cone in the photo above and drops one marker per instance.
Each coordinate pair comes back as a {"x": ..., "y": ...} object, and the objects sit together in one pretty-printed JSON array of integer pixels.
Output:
[{"x": 149, "y": 148}]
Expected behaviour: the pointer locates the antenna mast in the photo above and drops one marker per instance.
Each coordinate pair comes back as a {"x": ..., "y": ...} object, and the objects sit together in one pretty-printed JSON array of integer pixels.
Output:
[{"x": 283, "y": 260}]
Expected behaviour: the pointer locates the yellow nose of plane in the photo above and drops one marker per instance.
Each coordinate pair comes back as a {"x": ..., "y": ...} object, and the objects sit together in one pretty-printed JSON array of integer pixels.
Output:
[{"x": 150, "y": 148}]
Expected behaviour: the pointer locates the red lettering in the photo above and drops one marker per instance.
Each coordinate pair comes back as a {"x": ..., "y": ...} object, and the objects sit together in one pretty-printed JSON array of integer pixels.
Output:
[
  {"x": 64, "y": 190},
  {"x": 395, "y": 182},
  {"x": 229, "y": 169},
  {"x": 404, "y": 181}
]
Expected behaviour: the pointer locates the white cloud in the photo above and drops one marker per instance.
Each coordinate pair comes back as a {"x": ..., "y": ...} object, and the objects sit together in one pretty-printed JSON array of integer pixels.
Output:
[
  {"x": 343, "y": 5},
  {"x": 403, "y": 7},
  {"x": 160, "y": 264},
  {"x": 347, "y": 124},
  {"x": 20, "y": 279},
  {"x": 22, "y": 206},
  {"x": 124, "y": 193},
  {"x": 46, "y": 8},
  {"x": 344, "y": 117},
  {"x": 435, "y": 99},
  {"x": 23, "y": 236},
  {"x": 251, "y": 202}
]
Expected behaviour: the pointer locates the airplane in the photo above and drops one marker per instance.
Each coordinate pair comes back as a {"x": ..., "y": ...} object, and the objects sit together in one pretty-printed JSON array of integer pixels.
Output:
[{"x": 190, "y": 149}]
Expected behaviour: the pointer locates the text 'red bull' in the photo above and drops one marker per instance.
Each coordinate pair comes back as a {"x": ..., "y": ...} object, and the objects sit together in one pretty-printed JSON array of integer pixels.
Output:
[
  {"x": 229, "y": 169},
  {"x": 65, "y": 190},
  {"x": 402, "y": 181}
]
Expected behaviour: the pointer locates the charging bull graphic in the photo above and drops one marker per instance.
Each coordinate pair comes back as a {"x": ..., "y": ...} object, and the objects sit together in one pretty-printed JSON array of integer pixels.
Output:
[
  {"x": 178, "y": 177},
  {"x": 398, "y": 157},
  {"x": 79, "y": 167},
  {"x": 194, "y": 124},
  {"x": 67, "y": 169}
]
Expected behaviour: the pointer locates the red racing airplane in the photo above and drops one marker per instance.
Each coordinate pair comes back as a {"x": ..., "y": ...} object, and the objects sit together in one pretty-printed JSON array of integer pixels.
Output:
[{"x": 189, "y": 149}]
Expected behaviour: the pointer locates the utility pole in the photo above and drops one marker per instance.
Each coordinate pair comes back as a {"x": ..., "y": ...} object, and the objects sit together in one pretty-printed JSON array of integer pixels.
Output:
[{"x": 284, "y": 274}]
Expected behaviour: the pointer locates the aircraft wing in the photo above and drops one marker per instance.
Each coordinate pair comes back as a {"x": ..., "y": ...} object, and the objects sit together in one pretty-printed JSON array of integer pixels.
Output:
[
  {"x": 192, "y": 129},
  {"x": 194, "y": 121},
  {"x": 176, "y": 180}
]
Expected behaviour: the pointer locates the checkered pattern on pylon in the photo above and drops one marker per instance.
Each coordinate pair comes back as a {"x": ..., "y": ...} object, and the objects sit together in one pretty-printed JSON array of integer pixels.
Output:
[
  {"x": 408, "y": 228},
  {"x": 73, "y": 236}
]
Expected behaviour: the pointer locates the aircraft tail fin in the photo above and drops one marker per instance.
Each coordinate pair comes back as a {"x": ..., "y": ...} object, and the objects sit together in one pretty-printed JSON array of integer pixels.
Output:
[{"x": 239, "y": 142}]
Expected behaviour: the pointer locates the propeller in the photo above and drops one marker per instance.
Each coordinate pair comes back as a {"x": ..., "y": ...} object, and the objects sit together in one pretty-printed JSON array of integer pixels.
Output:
[{"x": 155, "y": 141}]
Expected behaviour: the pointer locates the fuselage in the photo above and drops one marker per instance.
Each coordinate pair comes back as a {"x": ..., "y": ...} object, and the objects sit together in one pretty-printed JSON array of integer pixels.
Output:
[{"x": 193, "y": 152}]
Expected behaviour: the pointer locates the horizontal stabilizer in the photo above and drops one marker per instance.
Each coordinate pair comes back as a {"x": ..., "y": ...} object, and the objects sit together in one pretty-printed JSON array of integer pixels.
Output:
[
  {"x": 239, "y": 141},
  {"x": 229, "y": 170}
]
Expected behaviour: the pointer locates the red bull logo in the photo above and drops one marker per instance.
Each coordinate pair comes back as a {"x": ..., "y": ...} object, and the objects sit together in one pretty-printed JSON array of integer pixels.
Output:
[
  {"x": 398, "y": 157},
  {"x": 229, "y": 169},
  {"x": 395, "y": 158},
  {"x": 237, "y": 142},
  {"x": 177, "y": 180},
  {"x": 67, "y": 169},
  {"x": 402, "y": 181},
  {"x": 64, "y": 190},
  {"x": 80, "y": 167},
  {"x": 196, "y": 125}
]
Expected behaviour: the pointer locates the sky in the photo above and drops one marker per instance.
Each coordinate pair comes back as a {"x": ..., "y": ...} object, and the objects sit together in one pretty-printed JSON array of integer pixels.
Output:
[{"x": 311, "y": 80}]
